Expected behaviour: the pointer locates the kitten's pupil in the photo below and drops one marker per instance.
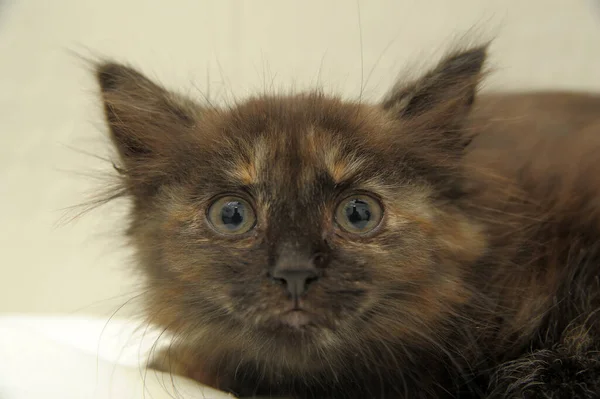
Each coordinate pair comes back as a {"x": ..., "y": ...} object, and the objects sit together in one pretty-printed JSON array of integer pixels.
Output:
[
  {"x": 358, "y": 213},
  {"x": 232, "y": 214}
]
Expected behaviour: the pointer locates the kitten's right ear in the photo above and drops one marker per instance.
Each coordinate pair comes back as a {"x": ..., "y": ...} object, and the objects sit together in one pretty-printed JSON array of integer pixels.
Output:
[
  {"x": 442, "y": 97},
  {"x": 144, "y": 119}
]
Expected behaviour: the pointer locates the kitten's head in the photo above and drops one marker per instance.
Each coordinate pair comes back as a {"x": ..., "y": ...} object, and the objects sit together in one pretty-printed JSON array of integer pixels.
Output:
[{"x": 288, "y": 227}]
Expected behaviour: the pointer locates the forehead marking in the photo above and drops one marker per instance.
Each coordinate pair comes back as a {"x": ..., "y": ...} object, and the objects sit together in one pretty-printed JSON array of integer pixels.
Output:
[
  {"x": 317, "y": 150},
  {"x": 327, "y": 151},
  {"x": 245, "y": 173},
  {"x": 247, "y": 167}
]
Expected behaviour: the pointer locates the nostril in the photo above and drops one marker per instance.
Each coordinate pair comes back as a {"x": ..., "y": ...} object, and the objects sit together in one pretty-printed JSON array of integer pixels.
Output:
[
  {"x": 277, "y": 279},
  {"x": 281, "y": 281},
  {"x": 311, "y": 279}
]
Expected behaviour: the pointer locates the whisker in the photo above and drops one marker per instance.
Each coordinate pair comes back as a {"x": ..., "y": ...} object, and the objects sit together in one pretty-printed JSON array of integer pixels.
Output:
[
  {"x": 106, "y": 325},
  {"x": 362, "y": 61}
]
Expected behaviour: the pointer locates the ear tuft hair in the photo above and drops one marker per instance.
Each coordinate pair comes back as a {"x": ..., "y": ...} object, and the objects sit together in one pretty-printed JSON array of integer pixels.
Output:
[{"x": 111, "y": 74}]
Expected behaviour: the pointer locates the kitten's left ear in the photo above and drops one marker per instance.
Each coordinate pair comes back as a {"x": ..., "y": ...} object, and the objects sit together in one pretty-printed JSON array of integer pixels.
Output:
[
  {"x": 147, "y": 125},
  {"x": 145, "y": 120},
  {"x": 443, "y": 97}
]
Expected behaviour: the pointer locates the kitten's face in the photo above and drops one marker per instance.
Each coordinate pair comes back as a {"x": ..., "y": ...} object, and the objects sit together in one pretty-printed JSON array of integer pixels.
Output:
[
  {"x": 296, "y": 224},
  {"x": 281, "y": 199}
]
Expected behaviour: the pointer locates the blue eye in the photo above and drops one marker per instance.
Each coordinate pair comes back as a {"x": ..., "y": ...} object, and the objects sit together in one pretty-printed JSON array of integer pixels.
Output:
[
  {"x": 231, "y": 215},
  {"x": 359, "y": 214}
]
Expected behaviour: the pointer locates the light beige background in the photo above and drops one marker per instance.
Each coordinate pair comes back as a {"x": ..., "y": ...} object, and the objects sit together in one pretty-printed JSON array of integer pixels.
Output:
[{"x": 49, "y": 114}]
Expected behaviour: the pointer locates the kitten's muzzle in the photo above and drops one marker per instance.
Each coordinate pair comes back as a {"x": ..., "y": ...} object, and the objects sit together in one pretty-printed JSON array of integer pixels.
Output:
[{"x": 296, "y": 270}]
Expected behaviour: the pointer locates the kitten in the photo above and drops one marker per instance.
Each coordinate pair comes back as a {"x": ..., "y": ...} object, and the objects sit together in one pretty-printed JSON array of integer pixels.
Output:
[{"x": 439, "y": 244}]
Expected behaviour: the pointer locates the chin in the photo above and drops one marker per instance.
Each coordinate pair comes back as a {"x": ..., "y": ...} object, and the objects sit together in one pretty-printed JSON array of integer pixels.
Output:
[{"x": 295, "y": 332}]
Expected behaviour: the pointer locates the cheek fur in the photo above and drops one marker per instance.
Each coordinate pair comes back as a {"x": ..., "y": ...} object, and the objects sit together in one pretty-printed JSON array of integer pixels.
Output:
[{"x": 417, "y": 270}]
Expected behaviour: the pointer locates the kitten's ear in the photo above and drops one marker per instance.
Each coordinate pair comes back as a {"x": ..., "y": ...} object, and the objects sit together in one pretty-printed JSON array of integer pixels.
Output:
[
  {"x": 144, "y": 119},
  {"x": 443, "y": 97}
]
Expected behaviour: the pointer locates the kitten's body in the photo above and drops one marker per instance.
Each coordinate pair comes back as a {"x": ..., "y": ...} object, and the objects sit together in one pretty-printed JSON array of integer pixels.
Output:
[{"x": 481, "y": 281}]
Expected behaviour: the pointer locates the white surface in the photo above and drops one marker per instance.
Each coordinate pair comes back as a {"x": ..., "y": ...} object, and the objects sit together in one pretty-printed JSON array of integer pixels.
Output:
[
  {"x": 48, "y": 99},
  {"x": 84, "y": 358}
]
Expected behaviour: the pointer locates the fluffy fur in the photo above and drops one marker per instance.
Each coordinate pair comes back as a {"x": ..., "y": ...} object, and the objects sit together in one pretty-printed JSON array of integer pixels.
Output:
[{"x": 480, "y": 282}]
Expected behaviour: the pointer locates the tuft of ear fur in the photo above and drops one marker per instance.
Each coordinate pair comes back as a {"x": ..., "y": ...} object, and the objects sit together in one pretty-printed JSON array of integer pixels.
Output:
[
  {"x": 146, "y": 122},
  {"x": 443, "y": 97}
]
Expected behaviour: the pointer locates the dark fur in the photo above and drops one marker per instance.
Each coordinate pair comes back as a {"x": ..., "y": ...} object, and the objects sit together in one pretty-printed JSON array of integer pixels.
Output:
[{"x": 482, "y": 280}]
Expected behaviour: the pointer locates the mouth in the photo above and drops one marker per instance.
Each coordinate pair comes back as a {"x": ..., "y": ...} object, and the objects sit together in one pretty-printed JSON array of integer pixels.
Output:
[{"x": 297, "y": 318}]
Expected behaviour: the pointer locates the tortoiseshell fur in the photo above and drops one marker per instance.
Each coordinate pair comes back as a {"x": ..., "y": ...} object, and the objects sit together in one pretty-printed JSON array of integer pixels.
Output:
[{"x": 481, "y": 281}]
